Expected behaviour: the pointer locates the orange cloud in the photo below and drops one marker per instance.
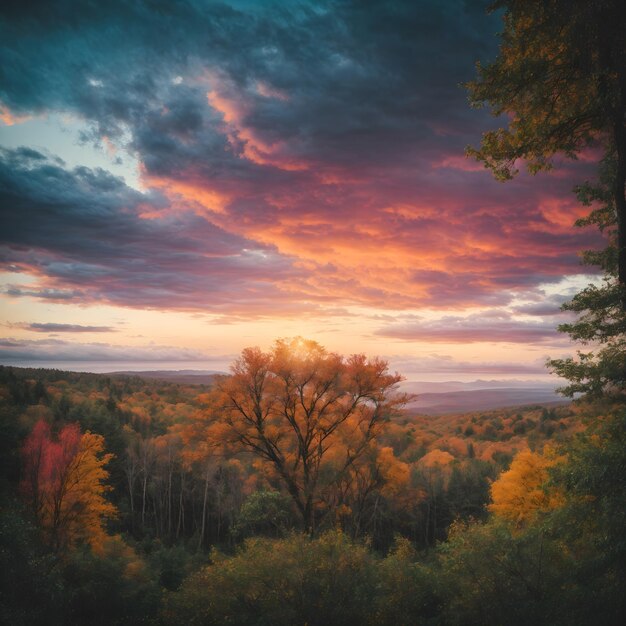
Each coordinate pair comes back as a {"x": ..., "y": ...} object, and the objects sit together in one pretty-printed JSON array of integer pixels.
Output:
[
  {"x": 10, "y": 119},
  {"x": 234, "y": 107},
  {"x": 189, "y": 193}
]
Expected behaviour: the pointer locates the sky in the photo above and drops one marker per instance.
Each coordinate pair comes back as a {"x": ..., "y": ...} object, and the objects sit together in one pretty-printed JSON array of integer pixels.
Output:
[{"x": 180, "y": 180}]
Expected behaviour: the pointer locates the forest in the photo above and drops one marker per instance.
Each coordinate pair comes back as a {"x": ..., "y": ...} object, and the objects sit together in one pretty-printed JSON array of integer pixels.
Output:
[
  {"x": 298, "y": 490},
  {"x": 139, "y": 501}
]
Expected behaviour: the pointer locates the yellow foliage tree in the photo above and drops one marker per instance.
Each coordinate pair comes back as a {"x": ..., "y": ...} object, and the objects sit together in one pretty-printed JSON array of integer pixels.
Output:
[
  {"x": 520, "y": 493},
  {"x": 84, "y": 506},
  {"x": 395, "y": 473},
  {"x": 65, "y": 482}
]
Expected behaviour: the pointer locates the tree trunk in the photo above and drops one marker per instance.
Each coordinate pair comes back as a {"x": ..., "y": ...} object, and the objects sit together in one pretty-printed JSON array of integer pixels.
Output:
[
  {"x": 132, "y": 498},
  {"x": 181, "y": 514},
  {"x": 206, "y": 491},
  {"x": 169, "y": 495},
  {"x": 143, "y": 500},
  {"x": 620, "y": 203},
  {"x": 309, "y": 517},
  {"x": 156, "y": 517},
  {"x": 219, "y": 506}
]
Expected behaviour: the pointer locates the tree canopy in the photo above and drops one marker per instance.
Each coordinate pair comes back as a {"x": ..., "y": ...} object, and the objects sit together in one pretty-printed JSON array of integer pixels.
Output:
[
  {"x": 560, "y": 78},
  {"x": 309, "y": 414},
  {"x": 64, "y": 481},
  {"x": 519, "y": 494}
]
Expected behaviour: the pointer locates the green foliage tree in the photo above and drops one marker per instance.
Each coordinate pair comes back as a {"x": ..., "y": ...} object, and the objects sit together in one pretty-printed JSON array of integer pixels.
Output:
[
  {"x": 468, "y": 489},
  {"x": 565, "y": 564},
  {"x": 560, "y": 77},
  {"x": 31, "y": 586},
  {"x": 407, "y": 590},
  {"x": 592, "y": 523},
  {"x": 297, "y": 580},
  {"x": 112, "y": 588},
  {"x": 172, "y": 564},
  {"x": 302, "y": 580},
  {"x": 489, "y": 574},
  {"x": 601, "y": 321},
  {"x": 264, "y": 513}
]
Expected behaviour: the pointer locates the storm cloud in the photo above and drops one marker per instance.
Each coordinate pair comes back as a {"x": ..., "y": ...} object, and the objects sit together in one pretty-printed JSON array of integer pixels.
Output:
[
  {"x": 294, "y": 156},
  {"x": 81, "y": 232}
]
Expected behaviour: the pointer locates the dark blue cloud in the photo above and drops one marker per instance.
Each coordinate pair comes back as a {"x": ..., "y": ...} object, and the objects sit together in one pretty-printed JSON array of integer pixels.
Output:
[
  {"x": 310, "y": 120},
  {"x": 81, "y": 231},
  {"x": 364, "y": 80}
]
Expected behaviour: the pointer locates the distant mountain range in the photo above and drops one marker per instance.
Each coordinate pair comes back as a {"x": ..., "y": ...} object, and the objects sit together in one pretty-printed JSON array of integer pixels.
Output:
[
  {"x": 480, "y": 395},
  {"x": 183, "y": 377},
  {"x": 432, "y": 398}
]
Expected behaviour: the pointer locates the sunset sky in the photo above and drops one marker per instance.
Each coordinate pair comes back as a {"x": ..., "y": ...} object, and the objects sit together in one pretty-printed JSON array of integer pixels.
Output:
[{"x": 180, "y": 180}]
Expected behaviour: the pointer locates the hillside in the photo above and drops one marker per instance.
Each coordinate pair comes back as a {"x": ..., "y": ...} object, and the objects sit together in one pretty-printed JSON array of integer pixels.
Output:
[
  {"x": 176, "y": 477},
  {"x": 179, "y": 490},
  {"x": 182, "y": 377},
  {"x": 491, "y": 436},
  {"x": 431, "y": 398},
  {"x": 158, "y": 400},
  {"x": 482, "y": 400}
]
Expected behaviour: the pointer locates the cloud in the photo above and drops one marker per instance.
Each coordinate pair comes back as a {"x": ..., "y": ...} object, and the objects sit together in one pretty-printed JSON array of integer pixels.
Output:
[
  {"x": 545, "y": 306},
  {"x": 331, "y": 80},
  {"x": 81, "y": 232},
  {"x": 487, "y": 326},
  {"x": 59, "y": 351},
  {"x": 295, "y": 156},
  {"x": 444, "y": 364},
  {"x": 101, "y": 356},
  {"x": 89, "y": 238},
  {"x": 67, "y": 328}
]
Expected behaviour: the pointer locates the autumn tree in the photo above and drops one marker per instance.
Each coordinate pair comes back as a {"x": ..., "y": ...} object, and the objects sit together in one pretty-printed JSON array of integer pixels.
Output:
[
  {"x": 553, "y": 550},
  {"x": 374, "y": 489},
  {"x": 309, "y": 414},
  {"x": 64, "y": 481},
  {"x": 520, "y": 493},
  {"x": 560, "y": 78}
]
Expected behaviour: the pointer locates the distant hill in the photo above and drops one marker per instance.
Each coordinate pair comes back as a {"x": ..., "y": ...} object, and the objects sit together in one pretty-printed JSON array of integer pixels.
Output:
[
  {"x": 413, "y": 386},
  {"x": 434, "y": 398},
  {"x": 153, "y": 400},
  {"x": 183, "y": 377},
  {"x": 440, "y": 403}
]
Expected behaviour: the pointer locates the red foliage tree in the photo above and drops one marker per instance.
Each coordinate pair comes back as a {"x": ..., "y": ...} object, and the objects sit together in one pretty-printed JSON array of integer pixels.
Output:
[{"x": 63, "y": 480}]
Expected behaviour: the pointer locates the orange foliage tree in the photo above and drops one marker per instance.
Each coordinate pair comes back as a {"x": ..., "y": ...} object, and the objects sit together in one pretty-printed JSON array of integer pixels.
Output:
[
  {"x": 63, "y": 478},
  {"x": 309, "y": 414}
]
